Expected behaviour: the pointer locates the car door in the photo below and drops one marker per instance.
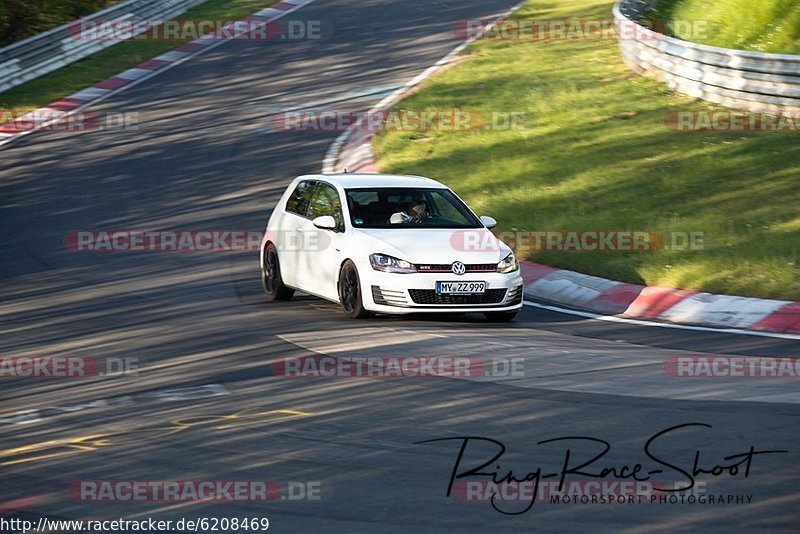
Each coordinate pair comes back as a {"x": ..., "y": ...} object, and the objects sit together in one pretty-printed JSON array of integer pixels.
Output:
[
  {"x": 321, "y": 264},
  {"x": 289, "y": 238}
]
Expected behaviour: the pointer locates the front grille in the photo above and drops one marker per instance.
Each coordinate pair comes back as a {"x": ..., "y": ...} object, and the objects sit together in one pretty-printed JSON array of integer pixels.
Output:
[
  {"x": 448, "y": 268},
  {"x": 429, "y": 296}
]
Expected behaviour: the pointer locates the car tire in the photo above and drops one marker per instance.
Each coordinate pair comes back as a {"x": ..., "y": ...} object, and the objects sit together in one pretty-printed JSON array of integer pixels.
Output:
[
  {"x": 501, "y": 317},
  {"x": 350, "y": 296},
  {"x": 271, "y": 278}
]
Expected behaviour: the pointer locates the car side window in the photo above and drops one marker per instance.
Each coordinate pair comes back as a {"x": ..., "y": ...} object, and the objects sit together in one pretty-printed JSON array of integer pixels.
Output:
[
  {"x": 298, "y": 201},
  {"x": 326, "y": 201}
]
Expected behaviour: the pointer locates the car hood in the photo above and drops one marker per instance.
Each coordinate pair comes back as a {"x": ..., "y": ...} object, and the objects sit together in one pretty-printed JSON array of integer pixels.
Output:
[{"x": 434, "y": 245}]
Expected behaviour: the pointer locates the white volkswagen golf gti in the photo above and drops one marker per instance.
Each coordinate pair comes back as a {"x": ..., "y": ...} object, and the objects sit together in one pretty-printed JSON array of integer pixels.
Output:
[{"x": 377, "y": 243}]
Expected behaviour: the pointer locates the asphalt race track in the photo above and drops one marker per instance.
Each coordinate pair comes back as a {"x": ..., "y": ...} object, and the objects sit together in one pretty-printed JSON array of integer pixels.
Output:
[{"x": 206, "y": 405}]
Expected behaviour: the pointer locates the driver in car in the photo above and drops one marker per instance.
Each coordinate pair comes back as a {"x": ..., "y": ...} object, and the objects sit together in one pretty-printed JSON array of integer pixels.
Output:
[{"x": 416, "y": 211}]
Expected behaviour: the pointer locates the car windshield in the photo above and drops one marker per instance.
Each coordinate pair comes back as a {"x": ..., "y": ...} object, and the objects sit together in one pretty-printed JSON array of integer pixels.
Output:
[{"x": 408, "y": 207}]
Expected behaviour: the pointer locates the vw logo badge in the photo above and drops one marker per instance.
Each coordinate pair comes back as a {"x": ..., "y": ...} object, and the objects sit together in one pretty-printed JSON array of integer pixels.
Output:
[{"x": 459, "y": 268}]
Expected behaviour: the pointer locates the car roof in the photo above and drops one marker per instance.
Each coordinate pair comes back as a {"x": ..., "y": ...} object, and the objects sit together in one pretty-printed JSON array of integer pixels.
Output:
[{"x": 356, "y": 180}]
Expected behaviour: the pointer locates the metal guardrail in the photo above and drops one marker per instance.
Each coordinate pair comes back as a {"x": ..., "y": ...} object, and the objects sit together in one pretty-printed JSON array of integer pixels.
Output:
[
  {"x": 734, "y": 78},
  {"x": 48, "y": 51}
]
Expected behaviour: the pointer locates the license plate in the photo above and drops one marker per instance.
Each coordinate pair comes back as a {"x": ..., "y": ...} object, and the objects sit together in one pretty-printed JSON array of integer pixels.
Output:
[{"x": 460, "y": 288}]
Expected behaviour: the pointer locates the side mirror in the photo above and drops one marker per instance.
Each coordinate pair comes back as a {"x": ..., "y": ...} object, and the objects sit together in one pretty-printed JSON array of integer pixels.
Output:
[
  {"x": 488, "y": 222},
  {"x": 325, "y": 222}
]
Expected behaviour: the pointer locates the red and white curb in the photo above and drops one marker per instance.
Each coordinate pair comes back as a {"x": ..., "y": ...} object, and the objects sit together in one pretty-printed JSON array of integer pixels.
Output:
[
  {"x": 61, "y": 109},
  {"x": 607, "y": 297}
]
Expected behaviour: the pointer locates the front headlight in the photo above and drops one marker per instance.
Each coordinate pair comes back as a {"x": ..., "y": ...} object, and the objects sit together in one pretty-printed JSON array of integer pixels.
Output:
[
  {"x": 508, "y": 265},
  {"x": 388, "y": 264}
]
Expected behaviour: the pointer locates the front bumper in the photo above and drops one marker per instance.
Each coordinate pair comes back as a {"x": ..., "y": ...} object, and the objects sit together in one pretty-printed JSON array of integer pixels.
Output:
[{"x": 416, "y": 293}]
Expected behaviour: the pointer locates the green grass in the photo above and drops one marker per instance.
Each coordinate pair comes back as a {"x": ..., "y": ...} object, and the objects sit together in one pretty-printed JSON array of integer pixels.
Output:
[
  {"x": 116, "y": 59},
  {"x": 596, "y": 155},
  {"x": 23, "y": 18},
  {"x": 759, "y": 25}
]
